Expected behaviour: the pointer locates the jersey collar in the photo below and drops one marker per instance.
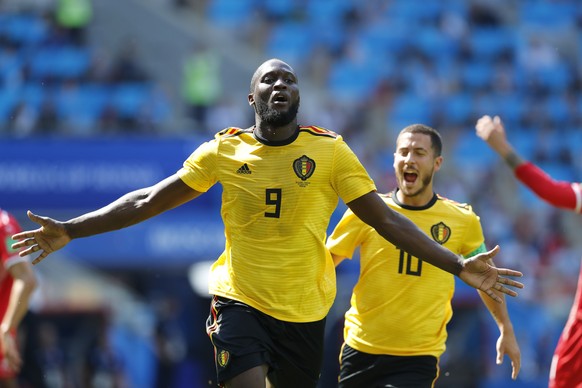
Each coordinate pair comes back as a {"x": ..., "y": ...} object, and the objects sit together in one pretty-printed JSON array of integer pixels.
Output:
[{"x": 409, "y": 207}]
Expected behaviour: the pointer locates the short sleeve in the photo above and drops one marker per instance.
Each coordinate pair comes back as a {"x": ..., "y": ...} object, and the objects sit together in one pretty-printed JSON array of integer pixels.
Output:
[
  {"x": 346, "y": 236},
  {"x": 199, "y": 171},
  {"x": 349, "y": 179},
  {"x": 473, "y": 241}
]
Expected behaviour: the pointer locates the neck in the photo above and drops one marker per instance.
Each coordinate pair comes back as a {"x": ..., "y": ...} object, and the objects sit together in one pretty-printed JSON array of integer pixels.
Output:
[
  {"x": 418, "y": 200},
  {"x": 271, "y": 133}
]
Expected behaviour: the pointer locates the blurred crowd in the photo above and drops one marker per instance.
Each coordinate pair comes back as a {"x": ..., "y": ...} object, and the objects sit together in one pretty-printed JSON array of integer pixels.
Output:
[
  {"x": 53, "y": 82},
  {"x": 368, "y": 68}
]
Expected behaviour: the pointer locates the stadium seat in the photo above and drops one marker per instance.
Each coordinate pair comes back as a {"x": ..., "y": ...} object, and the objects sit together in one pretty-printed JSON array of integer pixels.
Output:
[
  {"x": 129, "y": 98},
  {"x": 559, "y": 171},
  {"x": 412, "y": 108},
  {"x": 60, "y": 63},
  {"x": 329, "y": 34},
  {"x": 470, "y": 151},
  {"x": 81, "y": 104},
  {"x": 557, "y": 108},
  {"x": 523, "y": 141},
  {"x": 429, "y": 12},
  {"x": 549, "y": 15},
  {"x": 458, "y": 108},
  {"x": 512, "y": 107},
  {"x": 35, "y": 94},
  {"x": 24, "y": 29},
  {"x": 491, "y": 43},
  {"x": 279, "y": 9},
  {"x": 433, "y": 43},
  {"x": 291, "y": 41},
  {"x": 556, "y": 79},
  {"x": 574, "y": 137},
  {"x": 350, "y": 81},
  {"x": 322, "y": 10},
  {"x": 375, "y": 36},
  {"x": 10, "y": 67},
  {"x": 8, "y": 100},
  {"x": 230, "y": 13},
  {"x": 477, "y": 75}
]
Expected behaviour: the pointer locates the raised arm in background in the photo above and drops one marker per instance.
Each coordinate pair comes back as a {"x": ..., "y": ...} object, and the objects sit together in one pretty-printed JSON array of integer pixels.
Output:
[{"x": 566, "y": 368}]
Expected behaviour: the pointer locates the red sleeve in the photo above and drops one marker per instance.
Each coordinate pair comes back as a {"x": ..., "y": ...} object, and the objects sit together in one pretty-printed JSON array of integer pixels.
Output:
[
  {"x": 8, "y": 227},
  {"x": 558, "y": 193}
]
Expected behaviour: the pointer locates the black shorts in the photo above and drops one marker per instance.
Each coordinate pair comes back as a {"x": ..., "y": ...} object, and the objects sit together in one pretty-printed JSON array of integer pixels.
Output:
[
  {"x": 359, "y": 369},
  {"x": 244, "y": 338}
]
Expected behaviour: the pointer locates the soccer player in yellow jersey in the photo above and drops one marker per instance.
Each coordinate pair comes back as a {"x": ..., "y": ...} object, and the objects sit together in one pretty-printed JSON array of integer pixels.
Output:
[
  {"x": 274, "y": 283},
  {"x": 395, "y": 330}
]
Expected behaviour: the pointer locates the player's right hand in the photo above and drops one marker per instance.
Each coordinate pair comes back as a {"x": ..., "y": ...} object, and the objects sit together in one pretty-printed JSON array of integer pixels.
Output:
[
  {"x": 491, "y": 130},
  {"x": 51, "y": 236}
]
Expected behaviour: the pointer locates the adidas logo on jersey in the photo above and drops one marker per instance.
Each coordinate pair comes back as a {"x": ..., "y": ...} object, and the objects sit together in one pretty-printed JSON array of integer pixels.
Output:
[{"x": 244, "y": 169}]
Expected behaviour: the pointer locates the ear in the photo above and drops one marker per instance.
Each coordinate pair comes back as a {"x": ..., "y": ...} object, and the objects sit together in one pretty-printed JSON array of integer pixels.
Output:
[
  {"x": 437, "y": 163},
  {"x": 251, "y": 99}
]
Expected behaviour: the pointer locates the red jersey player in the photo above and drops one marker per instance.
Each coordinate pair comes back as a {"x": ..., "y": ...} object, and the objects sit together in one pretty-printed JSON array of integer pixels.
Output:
[
  {"x": 17, "y": 281},
  {"x": 566, "y": 369}
]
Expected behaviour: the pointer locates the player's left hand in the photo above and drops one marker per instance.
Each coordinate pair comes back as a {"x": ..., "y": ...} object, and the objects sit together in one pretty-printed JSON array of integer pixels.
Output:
[
  {"x": 9, "y": 350},
  {"x": 479, "y": 274},
  {"x": 507, "y": 344}
]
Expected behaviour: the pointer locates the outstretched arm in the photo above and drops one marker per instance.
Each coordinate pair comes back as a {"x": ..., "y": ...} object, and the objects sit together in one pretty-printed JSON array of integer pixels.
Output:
[
  {"x": 561, "y": 194},
  {"x": 403, "y": 233},
  {"x": 128, "y": 210}
]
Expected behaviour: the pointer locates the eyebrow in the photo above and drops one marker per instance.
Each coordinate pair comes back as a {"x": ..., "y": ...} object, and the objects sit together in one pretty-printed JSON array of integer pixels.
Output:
[
  {"x": 413, "y": 148},
  {"x": 273, "y": 71}
]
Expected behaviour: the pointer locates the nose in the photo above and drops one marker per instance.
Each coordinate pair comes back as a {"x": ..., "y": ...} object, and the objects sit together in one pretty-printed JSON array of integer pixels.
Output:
[
  {"x": 280, "y": 84},
  {"x": 409, "y": 159}
]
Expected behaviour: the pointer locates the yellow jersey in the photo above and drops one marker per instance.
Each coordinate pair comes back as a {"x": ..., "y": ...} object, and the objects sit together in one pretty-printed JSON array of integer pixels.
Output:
[
  {"x": 277, "y": 200},
  {"x": 401, "y": 305}
]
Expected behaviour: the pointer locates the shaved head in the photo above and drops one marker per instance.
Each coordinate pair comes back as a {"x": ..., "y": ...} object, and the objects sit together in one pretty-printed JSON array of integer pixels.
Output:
[{"x": 273, "y": 62}]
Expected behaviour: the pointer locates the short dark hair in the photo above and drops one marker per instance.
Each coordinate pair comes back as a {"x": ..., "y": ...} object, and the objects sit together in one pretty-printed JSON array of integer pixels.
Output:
[{"x": 435, "y": 136}]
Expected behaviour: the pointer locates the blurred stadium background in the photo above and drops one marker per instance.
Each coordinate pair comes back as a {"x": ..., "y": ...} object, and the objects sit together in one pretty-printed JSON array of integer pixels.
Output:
[{"x": 101, "y": 97}]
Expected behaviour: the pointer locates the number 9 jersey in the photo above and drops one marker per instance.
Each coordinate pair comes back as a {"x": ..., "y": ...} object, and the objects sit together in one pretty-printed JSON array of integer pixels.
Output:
[{"x": 277, "y": 200}]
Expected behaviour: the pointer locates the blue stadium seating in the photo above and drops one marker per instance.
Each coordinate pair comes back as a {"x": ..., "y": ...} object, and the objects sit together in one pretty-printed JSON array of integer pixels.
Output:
[
  {"x": 490, "y": 43},
  {"x": 412, "y": 108},
  {"x": 291, "y": 41},
  {"x": 129, "y": 98},
  {"x": 433, "y": 43},
  {"x": 350, "y": 81},
  {"x": 477, "y": 75},
  {"x": 458, "y": 108},
  {"x": 280, "y": 8},
  {"x": 230, "y": 13},
  {"x": 61, "y": 63},
  {"x": 8, "y": 101},
  {"x": 24, "y": 29},
  {"x": 549, "y": 15}
]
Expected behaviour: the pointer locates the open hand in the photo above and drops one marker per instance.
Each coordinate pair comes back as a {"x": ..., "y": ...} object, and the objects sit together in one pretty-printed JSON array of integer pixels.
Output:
[
  {"x": 50, "y": 237},
  {"x": 479, "y": 274}
]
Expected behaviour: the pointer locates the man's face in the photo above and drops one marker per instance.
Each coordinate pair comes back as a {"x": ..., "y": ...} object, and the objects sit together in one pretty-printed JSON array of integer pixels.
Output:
[
  {"x": 415, "y": 164},
  {"x": 275, "y": 94}
]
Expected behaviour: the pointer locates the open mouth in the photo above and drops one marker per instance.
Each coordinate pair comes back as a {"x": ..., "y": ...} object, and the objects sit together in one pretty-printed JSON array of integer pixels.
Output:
[
  {"x": 410, "y": 177},
  {"x": 279, "y": 99}
]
